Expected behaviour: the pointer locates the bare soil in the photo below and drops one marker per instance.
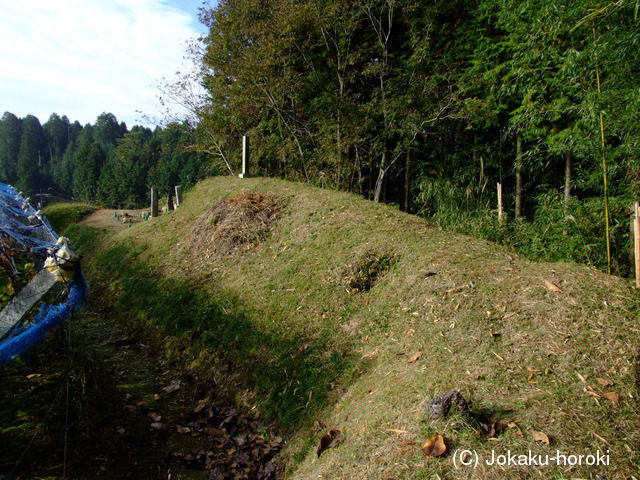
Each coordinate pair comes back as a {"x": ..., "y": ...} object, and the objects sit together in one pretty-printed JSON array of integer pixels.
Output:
[{"x": 106, "y": 219}]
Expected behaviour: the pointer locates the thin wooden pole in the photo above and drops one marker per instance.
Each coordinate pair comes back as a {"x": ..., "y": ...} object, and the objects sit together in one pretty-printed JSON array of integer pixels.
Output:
[
  {"x": 636, "y": 236},
  {"x": 154, "y": 202},
  {"x": 245, "y": 157},
  {"x": 500, "y": 208}
]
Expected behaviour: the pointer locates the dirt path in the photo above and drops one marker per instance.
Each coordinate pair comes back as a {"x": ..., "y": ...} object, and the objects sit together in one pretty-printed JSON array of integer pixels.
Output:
[{"x": 105, "y": 218}]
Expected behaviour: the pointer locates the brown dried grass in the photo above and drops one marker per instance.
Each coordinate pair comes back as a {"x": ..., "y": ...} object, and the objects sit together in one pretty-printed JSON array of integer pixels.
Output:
[{"x": 237, "y": 222}]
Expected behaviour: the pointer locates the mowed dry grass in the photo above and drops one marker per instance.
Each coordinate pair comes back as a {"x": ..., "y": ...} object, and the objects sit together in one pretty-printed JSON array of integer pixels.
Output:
[{"x": 551, "y": 347}]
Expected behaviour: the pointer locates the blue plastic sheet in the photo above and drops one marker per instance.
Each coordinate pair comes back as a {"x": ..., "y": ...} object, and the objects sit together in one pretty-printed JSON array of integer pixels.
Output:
[{"x": 29, "y": 228}]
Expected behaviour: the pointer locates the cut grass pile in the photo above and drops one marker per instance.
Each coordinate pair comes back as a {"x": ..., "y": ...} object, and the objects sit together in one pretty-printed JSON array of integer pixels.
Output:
[{"x": 348, "y": 315}]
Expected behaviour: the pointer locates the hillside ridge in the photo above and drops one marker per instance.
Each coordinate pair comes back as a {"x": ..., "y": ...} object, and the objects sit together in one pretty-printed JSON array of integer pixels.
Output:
[{"x": 349, "y": 315}]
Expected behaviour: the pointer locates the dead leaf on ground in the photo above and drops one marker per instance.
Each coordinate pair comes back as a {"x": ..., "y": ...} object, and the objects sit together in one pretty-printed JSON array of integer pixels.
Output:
[
  {"x": 158, "y": 426},
  {"x": 33, "y": 375},
  {"x": 506, "y": 423},
  {"x": 613, "y": 396},
  {"x": 553, "y": 287},
  {"x": 415, "y": 357},
  {"x": 172, "y": 387},
  {"x": 331, "y": 439},
  {"x": 201, "y": 406},
  {"x": 540, "y": 437},
  {"x": 156, "y": 417},
  {"x": 604, "y": 382},
  {"x": 434, "y": 446},
  {"x": 582, "y": 379}
]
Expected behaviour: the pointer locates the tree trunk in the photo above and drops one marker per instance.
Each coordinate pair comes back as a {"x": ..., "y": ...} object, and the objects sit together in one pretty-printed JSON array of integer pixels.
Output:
[
  {"x": 380, "y": 181},
  {"x": 519, "y": 177}
]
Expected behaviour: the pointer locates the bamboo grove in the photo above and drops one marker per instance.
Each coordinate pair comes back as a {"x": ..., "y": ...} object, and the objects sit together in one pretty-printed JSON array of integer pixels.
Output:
[{"x": 429, "y": 104}]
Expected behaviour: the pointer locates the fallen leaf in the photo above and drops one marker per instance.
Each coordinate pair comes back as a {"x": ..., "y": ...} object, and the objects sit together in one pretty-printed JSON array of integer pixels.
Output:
[
  {"x": 497, "y": 355},
  {"x": 182, "y": 430},
  {"x": 582, "y": 379},
  {"x": 200, "y": 406},
  {"x": 130, "y": 408},
  {"x": 33, "y": 375},
  {"x": 434, "y": 446},
  {"x": 505, "y": 423},
  {"x": 415, "y": 357},
  {"x": 552, "y": 286},
  {"x": 604, "y": 382},
  {"x": 613, "y": 396},
  {"x": 395, "y": 430},
  {"x": 540, "y": 437},
  {"x": 158, "y": 426},
  {"x": 154, "y": 416},
  {"x": 172, "y": 387},
  {"x": 331, "y": 439}
]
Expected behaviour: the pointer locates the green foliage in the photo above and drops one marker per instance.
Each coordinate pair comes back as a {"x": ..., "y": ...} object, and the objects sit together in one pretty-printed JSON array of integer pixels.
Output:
[
  {"x": 10, "y": 136},
  {"x": 556, "y": 232},
  {"x": 102, "y": 163},
  {"x": 394, "y": 99},
  {"x": 62, "y": 215}
]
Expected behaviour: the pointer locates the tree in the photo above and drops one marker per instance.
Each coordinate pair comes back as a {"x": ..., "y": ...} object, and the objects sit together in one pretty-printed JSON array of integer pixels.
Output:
[
  {"x": 31, "y": 156},
  {"x": 10, "y": 138},
  {"x": 88, "y": 161},
  {"x": 123, "y": 180}
]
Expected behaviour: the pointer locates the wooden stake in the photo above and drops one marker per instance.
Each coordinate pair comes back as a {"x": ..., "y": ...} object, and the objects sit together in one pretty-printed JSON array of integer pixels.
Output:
[
  {"x": 636, "y": 240},
  {"x": 154, "y": 202},
  {"x": 500, "y": 208},
  {"x": 245, "y": 157}
]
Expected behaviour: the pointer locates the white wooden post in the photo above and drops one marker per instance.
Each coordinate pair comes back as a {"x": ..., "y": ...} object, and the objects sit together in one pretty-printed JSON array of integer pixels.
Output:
[
  {"x": 178, "y": 195},
  {"x": 245, "y": 157}
]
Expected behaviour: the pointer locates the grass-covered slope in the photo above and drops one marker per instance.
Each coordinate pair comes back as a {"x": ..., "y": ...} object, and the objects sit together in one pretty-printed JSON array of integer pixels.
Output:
[{"x": 325, "y": 311}]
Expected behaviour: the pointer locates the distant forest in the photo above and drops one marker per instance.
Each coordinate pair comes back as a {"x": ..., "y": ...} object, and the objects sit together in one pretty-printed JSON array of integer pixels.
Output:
[
  {"x": 103, "y": 163},
  {"x": 426, "y": 106}
]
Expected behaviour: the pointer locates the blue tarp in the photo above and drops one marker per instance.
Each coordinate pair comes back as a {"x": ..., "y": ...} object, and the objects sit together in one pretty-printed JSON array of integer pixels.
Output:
[{"x": 29, "y": 228}]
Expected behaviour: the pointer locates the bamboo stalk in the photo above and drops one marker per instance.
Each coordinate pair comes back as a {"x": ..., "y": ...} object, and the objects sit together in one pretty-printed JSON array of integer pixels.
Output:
[{"x": 604, "y": 161}]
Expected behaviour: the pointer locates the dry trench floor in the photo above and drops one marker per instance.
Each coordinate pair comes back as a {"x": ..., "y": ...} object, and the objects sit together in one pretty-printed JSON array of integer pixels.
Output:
[{"x": 92, "y": 402}]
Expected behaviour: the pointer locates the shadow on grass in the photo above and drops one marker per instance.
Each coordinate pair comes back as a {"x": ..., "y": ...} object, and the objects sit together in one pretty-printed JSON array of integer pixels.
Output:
[{"x": 289, "y": 379}]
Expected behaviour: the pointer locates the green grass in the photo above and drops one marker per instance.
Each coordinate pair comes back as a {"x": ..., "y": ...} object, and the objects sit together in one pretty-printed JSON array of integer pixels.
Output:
[
  {"x": 61, "y": 215},
  {"x": 280, "y": 329}
]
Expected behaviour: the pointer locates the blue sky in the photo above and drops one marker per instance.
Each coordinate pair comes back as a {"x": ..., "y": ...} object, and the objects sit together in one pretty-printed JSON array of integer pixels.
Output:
[{"x": 83, "y": 57}]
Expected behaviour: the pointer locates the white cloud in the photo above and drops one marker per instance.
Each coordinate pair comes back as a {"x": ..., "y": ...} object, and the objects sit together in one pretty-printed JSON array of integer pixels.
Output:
[{"x": 83, "y": 57}]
